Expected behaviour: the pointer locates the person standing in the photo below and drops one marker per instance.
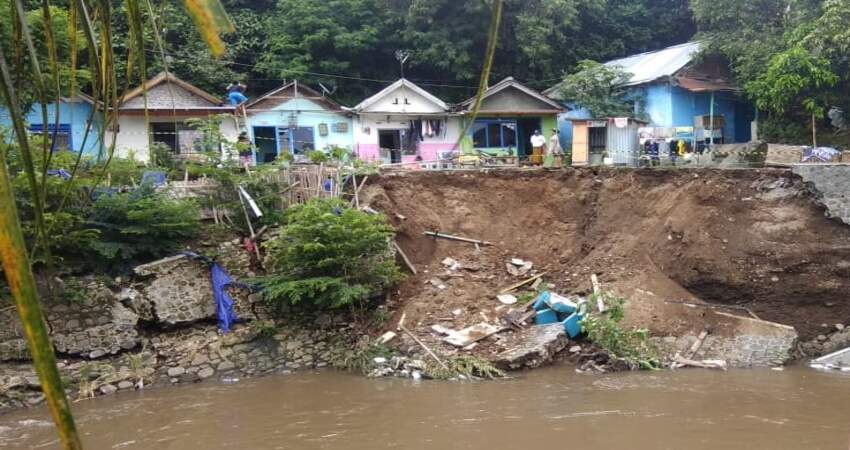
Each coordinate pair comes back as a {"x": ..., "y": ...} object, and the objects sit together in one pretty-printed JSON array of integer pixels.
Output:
[
  {"x": 245, "y": 149},
  {"x": 538, "y": 148},
  {"x": 236, "y": 94},
  {"x": 555, "y": 148}
]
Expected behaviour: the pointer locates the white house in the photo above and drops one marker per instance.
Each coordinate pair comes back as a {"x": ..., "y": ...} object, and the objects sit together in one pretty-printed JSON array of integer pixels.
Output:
[
  {"x": 404, "y": 123},
  {"x": 170, "y": 102}
]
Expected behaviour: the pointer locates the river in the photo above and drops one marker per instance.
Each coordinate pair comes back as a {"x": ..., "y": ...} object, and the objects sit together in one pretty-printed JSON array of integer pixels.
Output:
[{"x": 550, "y": 408}]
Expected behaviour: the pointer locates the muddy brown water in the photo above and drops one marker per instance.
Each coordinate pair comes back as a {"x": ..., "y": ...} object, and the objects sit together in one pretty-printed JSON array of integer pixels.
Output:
[{"x": 552, "y": 408}]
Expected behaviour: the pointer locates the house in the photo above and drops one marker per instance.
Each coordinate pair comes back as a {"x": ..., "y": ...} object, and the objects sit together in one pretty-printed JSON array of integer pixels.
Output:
[
  {"x": 404, "y": 123},
  {"x": 682, "y": 94},
  {"x": 71, "y": 134},
  {"x": 508, "y": 116},
  {"x": 170, "y": 102},
  {"x": 296, "y": 119}
]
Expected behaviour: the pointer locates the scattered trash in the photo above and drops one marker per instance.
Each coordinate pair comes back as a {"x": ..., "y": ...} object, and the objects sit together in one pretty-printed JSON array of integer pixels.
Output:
[
  {"x": 575, "y": 349},
  {"x": 380, "y": 360},
  {"x": 457, "y": 312},
  {"x": 468, "y": 335},
  {"x": 437, "y": 283},
  {"x": 704, "y": 364},
  {"x": 839, "y": 360},
  {"x": 386, "y": 337},
  {"x": 507, "y": 299},
  {"x": 518, "y": 267},
  {"x": 451, "y": 263},
  {"x": 554, "y": 308}
]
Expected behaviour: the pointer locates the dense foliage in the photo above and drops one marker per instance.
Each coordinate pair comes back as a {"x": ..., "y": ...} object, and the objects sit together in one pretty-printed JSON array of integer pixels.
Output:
[
  {"x": 790, "y": 56},
  {"x": 606, "y": 331},
  {"x": 330, "y": 256},
  {"x": 349, "y": 45},
  {"x": 141, "y": 225},
  {"x": 92, "y": 226}
]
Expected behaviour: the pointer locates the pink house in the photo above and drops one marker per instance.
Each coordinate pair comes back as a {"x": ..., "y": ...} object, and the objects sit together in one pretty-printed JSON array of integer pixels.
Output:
[{"x": 404, "y": 123}]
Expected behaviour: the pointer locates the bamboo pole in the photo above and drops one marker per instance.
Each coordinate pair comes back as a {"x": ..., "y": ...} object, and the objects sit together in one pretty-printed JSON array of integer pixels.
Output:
[
  {"x": 19, "y": 275},
  {"x": 456, "y": 238}
]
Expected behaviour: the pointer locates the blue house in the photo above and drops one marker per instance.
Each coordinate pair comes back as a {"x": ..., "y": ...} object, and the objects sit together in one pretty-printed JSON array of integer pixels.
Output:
[
  {"x": 296, "y": 119},
  {"x": 682, "y": 94},
  {"x": 74, "y": 115}
]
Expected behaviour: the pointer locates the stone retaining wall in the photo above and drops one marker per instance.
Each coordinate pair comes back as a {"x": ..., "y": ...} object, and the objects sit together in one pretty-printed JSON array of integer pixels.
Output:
[{"x": 757, "y": 343}]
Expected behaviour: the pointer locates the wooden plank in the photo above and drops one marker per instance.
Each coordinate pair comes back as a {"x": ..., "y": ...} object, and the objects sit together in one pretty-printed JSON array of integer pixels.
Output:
[
  {"x": 405, "y": 258},
  {"x": 521, "y": 283}
]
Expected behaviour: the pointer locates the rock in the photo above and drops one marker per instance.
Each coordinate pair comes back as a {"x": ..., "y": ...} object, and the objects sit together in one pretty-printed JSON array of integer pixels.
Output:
[
  {"x": 821, "y": 337},
  {"x": 176, "y": 371},
  {"x": 107, "y": 389},
  {"x": 36, "y": 400},
  {"x": 226, "y": 365},
  {"x": 97, "y": 354},
  {"x": 507, "y": 299},
  {"x": 199, "y": 360},
  {"x": 575, "y": 349},
  {"x": 125, "y": 385},
  {"x": 839, "y": 326},
  {"x": 535, "y": 347},
  {"x": 206, "y": 372}
]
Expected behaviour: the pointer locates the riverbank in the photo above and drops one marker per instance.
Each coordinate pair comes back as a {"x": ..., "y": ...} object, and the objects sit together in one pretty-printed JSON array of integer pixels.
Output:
[{"x": 747, "y": 256}]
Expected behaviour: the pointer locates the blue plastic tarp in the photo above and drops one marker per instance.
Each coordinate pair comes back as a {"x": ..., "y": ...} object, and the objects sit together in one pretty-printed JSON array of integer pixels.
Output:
[
  {"x": 223, "y": 301},
  {"x": 220, "y": 280},
  {"x": 154, "y": 177}
]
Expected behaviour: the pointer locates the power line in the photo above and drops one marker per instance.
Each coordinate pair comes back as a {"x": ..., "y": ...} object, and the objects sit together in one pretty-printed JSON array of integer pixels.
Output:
[{"x": 319, "y": 74}]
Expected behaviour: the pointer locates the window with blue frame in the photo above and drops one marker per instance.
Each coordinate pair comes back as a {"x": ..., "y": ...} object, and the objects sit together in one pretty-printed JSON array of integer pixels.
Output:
[
  {"x": 488, "y": 133},
  {"x": 61, "y": 137}
]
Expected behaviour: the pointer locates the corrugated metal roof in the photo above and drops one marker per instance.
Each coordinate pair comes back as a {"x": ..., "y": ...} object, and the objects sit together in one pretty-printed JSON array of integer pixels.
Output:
[{"x": 650, "y": 66}]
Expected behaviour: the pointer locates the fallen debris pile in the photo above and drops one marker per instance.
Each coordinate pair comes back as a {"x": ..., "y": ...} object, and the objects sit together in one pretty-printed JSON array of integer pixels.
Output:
[{"x": 740, "y": 241}]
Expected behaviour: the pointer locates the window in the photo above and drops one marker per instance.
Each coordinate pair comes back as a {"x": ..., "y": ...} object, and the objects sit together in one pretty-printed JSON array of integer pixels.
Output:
[
  {"x": 62, "y": 139},
  {"x": 479, "y": 134},
  {"x": 494, "y": 134}
]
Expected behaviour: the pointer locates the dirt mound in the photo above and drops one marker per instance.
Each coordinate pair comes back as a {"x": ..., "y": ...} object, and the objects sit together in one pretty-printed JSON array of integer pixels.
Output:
[{"x": 746, "y": 239}]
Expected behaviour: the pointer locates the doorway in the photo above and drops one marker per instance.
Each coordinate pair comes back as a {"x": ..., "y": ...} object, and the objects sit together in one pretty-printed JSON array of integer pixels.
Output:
[
  {"x": 390, "y": 141},
  {"x": 264, "y": 141},
  {"x": 525, "y": 128}
]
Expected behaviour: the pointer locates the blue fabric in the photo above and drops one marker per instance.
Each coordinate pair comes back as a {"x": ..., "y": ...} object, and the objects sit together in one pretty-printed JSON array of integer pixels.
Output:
[
  {"x": 154, "y": 177},
  {"x": 236, "y": 98},
  {"x": 223, "y": 302},
  {"x": 59, "y": 173}
]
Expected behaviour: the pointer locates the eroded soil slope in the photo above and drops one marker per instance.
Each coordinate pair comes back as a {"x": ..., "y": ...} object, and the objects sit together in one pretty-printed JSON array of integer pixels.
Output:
[{"x": 752, "y": 238}]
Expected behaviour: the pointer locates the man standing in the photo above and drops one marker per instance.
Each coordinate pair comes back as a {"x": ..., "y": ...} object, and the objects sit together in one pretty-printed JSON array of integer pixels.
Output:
[
  {"x": 555, "y": 148},
  {"x": 538, "y": 147},
  {"x": 236, "y": 95}
]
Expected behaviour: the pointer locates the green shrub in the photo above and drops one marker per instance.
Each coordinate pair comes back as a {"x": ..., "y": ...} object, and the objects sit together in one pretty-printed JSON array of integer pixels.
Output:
[
  {"x": 317, "y": 156},
  {"x": 330, "y": 256},
  {"x": 143, "y": 224},
  {"x": 605, "y": 330}
]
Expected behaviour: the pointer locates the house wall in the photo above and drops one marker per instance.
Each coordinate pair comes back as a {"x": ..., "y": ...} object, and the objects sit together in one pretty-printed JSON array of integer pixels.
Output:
[
  {"x": 307, "y": 114},
  {"x": 394, "y": 102},
  {"x": 512, "y": 99},
  {"x": 547, "y": 123},
  {"x": 669, "y": 106},
  {"x": 565, "y": 125},
  {"x": 132, "y": 137},
  {"x": 75, "y": 113},
  {"x": 367, "y": 126},
  {"x": 165, "y": 95}
]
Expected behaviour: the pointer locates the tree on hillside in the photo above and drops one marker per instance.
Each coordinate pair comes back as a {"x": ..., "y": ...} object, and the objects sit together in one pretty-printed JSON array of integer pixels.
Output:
[
  {"x": 598, "y": 88},
  {"x": 789, "y": 55}
]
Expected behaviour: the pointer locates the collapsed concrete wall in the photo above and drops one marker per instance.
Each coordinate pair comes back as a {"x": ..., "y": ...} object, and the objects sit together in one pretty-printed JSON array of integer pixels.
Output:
[{"x": 832, "y": 185}]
